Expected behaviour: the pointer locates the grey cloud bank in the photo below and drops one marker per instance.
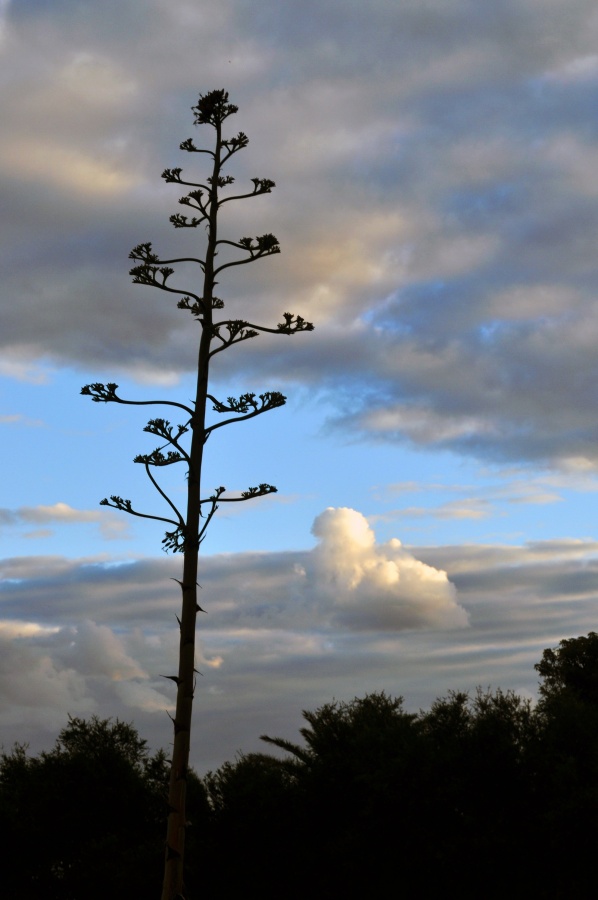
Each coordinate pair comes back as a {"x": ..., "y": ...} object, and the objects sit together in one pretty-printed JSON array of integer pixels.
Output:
[
  {"x": 284, "y": 631},
  {"x": 346, "y": 579},
  {"x": 436, "y": 203}
]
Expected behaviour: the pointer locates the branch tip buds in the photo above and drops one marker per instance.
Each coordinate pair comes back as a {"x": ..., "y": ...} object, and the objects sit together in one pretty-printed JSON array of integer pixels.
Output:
[
  {"x": 222, "y": 180},
  {"x": 213, "y": 108},
  {"x": 262, "y": 245},
  {"x": 239, "y": 142},
  {"x": 172, "y": 175},
  {"x": 157, "y": 458},
  {"x": 196, "y": 307},
  {"x": 247, "y": 403},
  {"x": 189, "y": 146},
  {"x": 262, "y": 185},
  {"x": 179, "y": 221},
  {"x": 260, "y": 491},
  {"x": 292, "y": 324},
  {"x": 101, "y": 393},
  {"x": 144, "y": 252},
  {"x": 163, "y": 428},
  {"x": 238, "y": 330},
  {"x": 117, "y": 502},
  {"x": 148, "y": 274},
  {"x": 177, "y": 541}
]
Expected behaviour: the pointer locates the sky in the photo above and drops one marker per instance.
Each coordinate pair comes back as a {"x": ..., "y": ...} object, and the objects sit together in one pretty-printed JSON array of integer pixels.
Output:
[{"x": 436, "y": 202}]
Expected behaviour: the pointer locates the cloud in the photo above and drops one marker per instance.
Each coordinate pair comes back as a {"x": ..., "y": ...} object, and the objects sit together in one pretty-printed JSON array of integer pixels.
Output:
[
  {"x": 347, "y": 581},
  {"x": 490, "y": 496},
  {"x": 59, "y": 512},
  {"x": 469, "y": 508},
  {"x": 64, "y": 167},
  {"x": 35, "y": 685},
  {"x": 283, "y": 631},
  {"x": 15, "y": 629},
  {"x": 4, "y": 4},
  {"x": 48, "y": 673},
  {"x": 111, "y": 526},
  {"x": 104, "y": 633},
  {"x": 436, "y": 204},
  {"x": 579, "y": 68},
  {"x": 436, "y": 220},
  {"x": 38, "y": 534},
  {"x": 378, "y": 588},
  {"x": 20, "y": 419},
  {"x": 96, "y": 650},
  {"x": 19, "y": 364}
]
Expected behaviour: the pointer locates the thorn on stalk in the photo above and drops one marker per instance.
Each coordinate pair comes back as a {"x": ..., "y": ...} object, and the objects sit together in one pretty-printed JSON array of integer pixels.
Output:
[
  {"x": 177, "y": 728},
  {"x": 182, "y": 583}
]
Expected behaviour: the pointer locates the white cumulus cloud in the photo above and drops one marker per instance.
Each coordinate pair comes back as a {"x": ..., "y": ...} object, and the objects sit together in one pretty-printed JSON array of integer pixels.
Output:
[{"x": 378, "y": 587}]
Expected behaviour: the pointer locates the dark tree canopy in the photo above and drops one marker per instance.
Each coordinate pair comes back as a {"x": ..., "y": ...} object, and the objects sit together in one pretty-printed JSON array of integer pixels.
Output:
[
  {"x": 571, "y": 668},
  {"x": 479, "y": 796},
  {"x": 58, "y": 814}
]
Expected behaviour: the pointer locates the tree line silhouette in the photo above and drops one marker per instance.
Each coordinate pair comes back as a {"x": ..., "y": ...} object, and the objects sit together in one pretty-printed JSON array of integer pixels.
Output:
[{"x": 479, "y": 796}]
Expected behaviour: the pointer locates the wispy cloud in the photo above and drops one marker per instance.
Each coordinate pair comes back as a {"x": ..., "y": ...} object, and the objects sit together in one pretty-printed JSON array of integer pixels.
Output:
[
  {"x": 20, "y": 419},
  {"x": 112, "y": 527},
  {"x": 454, "y": 509}
]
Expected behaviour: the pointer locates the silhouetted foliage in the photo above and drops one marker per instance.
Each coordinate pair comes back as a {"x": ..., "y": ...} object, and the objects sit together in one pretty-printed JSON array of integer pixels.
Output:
[
  {"x": 571, "y": 670},
  {"x": 567, "y": 759},
  {"x": 85, "y": 819},
  {"x": 479, "y": 796},
  {"x": 477, "y": 790}
]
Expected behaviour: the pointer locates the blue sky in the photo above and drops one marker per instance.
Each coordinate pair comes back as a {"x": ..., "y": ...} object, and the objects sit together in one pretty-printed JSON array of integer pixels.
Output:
[{"x": 436, "y": 205}]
